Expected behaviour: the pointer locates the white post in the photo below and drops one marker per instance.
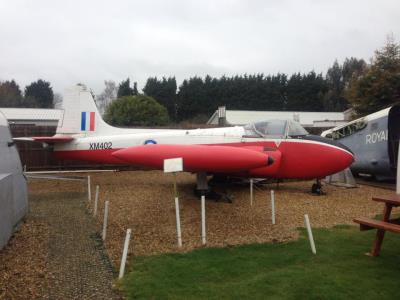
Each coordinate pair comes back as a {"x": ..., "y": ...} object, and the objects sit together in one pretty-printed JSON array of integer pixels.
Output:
[
  {"x": 96, "y": 195},
  {"x": 310, "y": 235},
  {"x": 124, "y": 254},
  {"x": 203, "y": 219},
  {"x": 24, "y": 168},
  {"x": 105, "y": 220},
  {"x": 96, "y": 200},
  {"x": 398, "y": 173},
  {"x": 251, "y": 192},
  {"x": 273, "y": 206},
  {"x": 89, "y": 191},
  {"x": 178, "y": 222}
]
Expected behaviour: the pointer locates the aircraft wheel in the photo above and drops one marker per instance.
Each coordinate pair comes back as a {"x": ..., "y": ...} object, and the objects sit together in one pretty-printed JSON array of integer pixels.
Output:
[{"x": 316, "y": 188}]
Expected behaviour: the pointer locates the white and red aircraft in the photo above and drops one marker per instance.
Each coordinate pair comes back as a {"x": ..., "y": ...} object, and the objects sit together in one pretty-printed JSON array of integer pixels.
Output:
[{"x": 271, "y": 149}]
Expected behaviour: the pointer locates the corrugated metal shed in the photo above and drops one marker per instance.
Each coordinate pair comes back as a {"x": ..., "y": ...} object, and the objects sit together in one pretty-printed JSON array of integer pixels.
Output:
[
  {"x": 306, "y": 119},
  {"x": 35, "y": 116}
]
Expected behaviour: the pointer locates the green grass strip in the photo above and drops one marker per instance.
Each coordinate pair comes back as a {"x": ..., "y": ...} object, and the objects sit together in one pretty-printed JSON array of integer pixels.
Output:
[{"x": 340, "y": 270}]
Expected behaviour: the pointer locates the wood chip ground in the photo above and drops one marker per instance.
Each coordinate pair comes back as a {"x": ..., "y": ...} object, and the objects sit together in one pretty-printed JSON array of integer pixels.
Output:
[{"x": 144, "y": 202}]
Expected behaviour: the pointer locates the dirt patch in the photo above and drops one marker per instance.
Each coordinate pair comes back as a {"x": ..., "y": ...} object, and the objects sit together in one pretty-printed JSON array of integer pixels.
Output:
[{"x": 143, "y": 201}]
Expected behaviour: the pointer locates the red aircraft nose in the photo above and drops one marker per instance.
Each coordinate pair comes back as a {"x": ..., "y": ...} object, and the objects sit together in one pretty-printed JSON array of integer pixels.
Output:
[
  {"x": 343, "y": 159},
  {"x": 312, "y": 157},
  {"x": 336, "y": 156}
]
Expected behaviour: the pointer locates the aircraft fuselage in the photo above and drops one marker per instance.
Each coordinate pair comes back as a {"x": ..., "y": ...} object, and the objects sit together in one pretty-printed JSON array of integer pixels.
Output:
[{"x": 302, "y": 157}]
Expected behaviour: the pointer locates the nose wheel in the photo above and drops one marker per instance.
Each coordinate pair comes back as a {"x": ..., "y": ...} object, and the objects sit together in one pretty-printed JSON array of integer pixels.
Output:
[{"x": 316, "y": 188}]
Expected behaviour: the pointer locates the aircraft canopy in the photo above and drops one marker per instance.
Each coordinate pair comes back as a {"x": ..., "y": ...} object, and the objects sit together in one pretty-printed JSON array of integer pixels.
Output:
[{"x": 275, "y": 128}]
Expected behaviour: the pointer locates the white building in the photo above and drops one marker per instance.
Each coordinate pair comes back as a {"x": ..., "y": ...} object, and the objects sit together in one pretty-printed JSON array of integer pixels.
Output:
[
  {"x": 32, "y": 116},
  {"x": 306, "y": 119}
]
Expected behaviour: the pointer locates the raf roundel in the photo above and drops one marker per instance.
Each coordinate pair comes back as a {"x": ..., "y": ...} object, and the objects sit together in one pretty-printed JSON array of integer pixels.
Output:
[{"x": 149, "y": 142}]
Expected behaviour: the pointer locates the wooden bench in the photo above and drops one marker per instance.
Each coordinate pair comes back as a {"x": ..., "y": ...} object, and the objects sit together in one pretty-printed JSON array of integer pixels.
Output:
[
  {"x": 393, "y": 199},
  {"x": 386, "y": 224},
  {"x": 367, "y": 224}
]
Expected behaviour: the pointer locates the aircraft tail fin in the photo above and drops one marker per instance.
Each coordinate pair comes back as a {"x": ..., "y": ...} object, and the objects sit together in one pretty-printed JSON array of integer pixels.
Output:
[{"x": 80, "y": 114}]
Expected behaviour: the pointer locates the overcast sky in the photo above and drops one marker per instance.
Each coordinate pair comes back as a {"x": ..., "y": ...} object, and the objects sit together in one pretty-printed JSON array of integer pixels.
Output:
[{"x": 70, "y": 41}]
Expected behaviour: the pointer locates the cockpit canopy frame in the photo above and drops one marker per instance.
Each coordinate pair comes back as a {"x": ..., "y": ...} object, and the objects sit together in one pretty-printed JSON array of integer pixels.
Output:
[{"x": 275, "y": 129}]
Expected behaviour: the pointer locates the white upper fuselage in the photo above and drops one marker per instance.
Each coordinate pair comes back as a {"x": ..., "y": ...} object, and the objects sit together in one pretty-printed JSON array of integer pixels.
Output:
[{"x": 136, "y": 138}]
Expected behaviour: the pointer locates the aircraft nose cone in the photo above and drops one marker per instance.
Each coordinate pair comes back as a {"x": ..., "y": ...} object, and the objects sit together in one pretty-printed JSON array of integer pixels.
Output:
[
  {"x": 332, "y": 157},
  {"x": 343, "y": 157},
  {"x": 337, "y": 144},
  {"x": 340, "y": 145},
  {"x": 348, "y": 156}
]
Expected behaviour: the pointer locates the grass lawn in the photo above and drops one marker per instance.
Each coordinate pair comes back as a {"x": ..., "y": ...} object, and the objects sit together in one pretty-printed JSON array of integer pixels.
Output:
[{"x": 340, "y": 270}]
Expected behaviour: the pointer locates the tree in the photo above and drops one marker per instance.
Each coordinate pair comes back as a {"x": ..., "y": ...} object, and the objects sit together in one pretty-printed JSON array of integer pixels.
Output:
[
  {"x": 379, "y": 85},
  {"x": 137, "y": 110},
  {"x": 39, "y": 94},
  {"x": 273, "y": 93},
  {"x": 124, "y": 89},
  {"x": 305, "y": 92},
  {"x": 334, "y": 100},
  {"x": 352, "y": 67},
  {"x": 57, "y": 100},
  {"x": 191, "y": 99},
  {"x": 337, "y": 79},
  {"x": 10, "y": 94},
  {"x": 198, "y": 98},
  {"x": 164, "y": 91},
  {"x": 135, "y": 90},
  {"x": 107, "y": 96}
]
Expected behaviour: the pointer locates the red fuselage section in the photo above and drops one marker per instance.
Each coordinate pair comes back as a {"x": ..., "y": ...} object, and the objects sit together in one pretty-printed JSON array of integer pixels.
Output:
[{"x": 286, "y": 158}]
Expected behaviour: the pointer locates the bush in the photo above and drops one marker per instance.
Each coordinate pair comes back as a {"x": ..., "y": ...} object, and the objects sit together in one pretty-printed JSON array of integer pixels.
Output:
[{"x": 136, "y": 111}]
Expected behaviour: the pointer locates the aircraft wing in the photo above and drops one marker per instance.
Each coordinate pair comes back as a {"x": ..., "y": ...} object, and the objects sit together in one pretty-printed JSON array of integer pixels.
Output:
[
  {"x": 46, "y": 139},
  {"x": 196, "y": 158}
]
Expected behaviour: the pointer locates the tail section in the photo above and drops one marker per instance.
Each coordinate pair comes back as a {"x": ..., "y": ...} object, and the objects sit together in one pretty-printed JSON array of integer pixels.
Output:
[{"x": 81, "y": 115}]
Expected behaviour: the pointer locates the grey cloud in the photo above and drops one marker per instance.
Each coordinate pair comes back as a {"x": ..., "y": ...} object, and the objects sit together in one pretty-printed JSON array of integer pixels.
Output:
[{"x": 89, "y": 41}]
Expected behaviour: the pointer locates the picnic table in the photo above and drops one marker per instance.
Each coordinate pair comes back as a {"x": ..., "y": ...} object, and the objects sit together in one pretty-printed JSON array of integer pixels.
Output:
[{"x": 386, "y": 224}]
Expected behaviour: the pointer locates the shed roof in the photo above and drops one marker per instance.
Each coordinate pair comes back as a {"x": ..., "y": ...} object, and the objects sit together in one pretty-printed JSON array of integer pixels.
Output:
[{"x": 31, "y": 114}]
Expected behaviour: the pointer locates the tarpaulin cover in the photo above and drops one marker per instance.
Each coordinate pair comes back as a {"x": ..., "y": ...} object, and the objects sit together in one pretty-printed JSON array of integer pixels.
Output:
[{"x": 13, "y": 186}]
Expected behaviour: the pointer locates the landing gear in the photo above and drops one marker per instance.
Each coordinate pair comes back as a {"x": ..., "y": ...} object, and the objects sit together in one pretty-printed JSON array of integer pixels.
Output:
[
  {"x": 202, "y": 184},
  {"x": 203, "y": 189},
  {"x": 316, "y": 188}
]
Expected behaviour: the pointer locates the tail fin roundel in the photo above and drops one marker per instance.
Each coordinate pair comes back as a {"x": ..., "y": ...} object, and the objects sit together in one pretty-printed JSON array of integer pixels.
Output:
[{"x": 88, "y": 120}]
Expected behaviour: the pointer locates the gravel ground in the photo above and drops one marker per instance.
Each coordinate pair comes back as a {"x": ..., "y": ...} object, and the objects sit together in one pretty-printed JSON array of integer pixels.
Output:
[{"x": 143, "y": 201}]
